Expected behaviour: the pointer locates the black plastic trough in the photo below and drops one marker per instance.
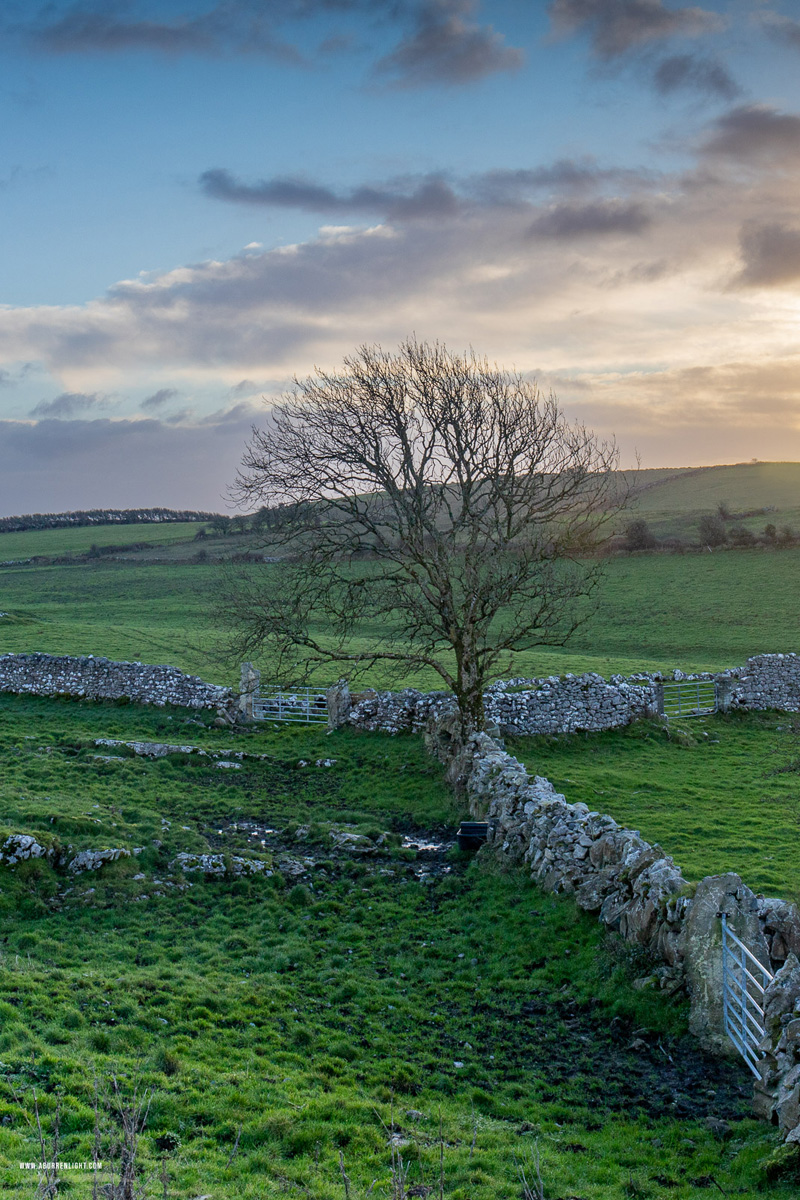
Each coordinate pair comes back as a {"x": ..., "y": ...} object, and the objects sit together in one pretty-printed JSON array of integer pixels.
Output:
[{"x": 472, "y": 834}]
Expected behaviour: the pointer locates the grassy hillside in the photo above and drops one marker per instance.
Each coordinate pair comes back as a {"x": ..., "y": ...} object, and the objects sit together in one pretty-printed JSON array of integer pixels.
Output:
[
  {"x": 743, "y": 486},
  {"x": 673, "y": 504},
  {"x": 345, "y": 1011}
]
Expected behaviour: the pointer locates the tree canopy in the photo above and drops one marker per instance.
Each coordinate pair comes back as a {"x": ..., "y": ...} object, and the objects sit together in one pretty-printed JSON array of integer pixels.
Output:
[{"x": 442, "y": 504}]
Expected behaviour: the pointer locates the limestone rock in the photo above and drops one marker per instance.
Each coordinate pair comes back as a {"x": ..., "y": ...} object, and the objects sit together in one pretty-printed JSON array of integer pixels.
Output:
[
  {"x": 93, "y": 860},
  {"x": 19, "y": 847},
  {"x": 781, "y": 923},
  {"x": 355, "y": 843},
  {"x": 215, "y": 864}
]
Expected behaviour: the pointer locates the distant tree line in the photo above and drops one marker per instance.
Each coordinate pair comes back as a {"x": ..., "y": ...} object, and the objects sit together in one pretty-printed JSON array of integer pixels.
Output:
[
  {"x": 281, "y": 518},
  {"x": 714, "y": 532},
  {"x": 101, "y": 516}
]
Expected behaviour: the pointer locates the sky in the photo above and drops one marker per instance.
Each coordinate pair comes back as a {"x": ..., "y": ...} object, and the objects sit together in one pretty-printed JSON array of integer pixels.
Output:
[{"x": 204, "y": 199}]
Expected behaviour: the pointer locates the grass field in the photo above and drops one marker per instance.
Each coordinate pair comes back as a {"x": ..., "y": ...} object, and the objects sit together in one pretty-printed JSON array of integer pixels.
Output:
[
  {"x": 57, "y": 542},
  {"x": 398, "y": 1003},
  {"x": 656, "y": 611},
  {"x": 316, "y": 1023},
  {"x": 718, "y": 793},
  {"x": 696, "y": 612}
]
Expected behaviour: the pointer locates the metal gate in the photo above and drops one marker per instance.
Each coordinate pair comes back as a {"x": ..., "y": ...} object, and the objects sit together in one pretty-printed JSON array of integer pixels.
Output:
[
  {"x": 689, "y": 698},
  {"x": 306, "y": 704},
  {"x": 744, "y": 982}
]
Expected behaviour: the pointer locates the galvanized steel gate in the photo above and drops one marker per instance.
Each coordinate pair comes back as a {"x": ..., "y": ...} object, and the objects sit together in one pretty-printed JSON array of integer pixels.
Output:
[
  {"x": 744, "y": 982},
  {"x": 306, "y": 704},
  {"x": 689, "y": 698}
]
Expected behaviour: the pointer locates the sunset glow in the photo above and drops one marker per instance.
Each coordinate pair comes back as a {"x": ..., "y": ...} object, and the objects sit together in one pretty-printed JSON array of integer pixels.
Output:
[{"x": 600, "y": 194}]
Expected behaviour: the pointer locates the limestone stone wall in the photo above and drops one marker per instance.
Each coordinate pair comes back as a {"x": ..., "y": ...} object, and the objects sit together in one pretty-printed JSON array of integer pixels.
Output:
[
  {"x": 551, "y": 705},
  {"x": 577, "y": 703},
  {"x": 637, "y": 891},
  {"x": 555, "y": 704},
  {"x": 770, "y": 681},
  {"x": 102, "y": 679}
]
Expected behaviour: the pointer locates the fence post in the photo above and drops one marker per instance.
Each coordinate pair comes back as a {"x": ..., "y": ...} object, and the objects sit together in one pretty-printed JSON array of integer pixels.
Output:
[
  {"x": 723, "y": 693},
  {"x": 659, "y": 689},
  {"x": 339, "y": 704},
  {"x": 250, "y": 681}
]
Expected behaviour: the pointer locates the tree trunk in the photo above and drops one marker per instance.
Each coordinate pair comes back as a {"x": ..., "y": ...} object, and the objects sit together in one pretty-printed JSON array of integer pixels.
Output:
[{"x": 469, "y": 698}]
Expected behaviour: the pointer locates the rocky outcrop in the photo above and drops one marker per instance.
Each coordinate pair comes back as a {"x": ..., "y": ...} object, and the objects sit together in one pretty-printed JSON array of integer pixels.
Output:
[
  {"x": 219, "y": 864},
  {"x": 93, "y": 860},
  {"x": 152, "y": 749},
  {"x": 20, "y": 847}
]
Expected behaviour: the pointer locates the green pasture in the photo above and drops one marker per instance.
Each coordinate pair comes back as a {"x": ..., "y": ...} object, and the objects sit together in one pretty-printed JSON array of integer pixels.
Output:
[
  {"x": 656, "y": 612},
  {"x": 718, "y": 793},
  {"x": 55, "y": 542},
  {"x": 148, "y": 614},
  {"x": 289, "y": 1027}
]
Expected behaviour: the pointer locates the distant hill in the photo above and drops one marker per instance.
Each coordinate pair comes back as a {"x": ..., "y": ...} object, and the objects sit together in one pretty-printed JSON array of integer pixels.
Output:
[
  {"x": 744, "y": 495},
  {"x": 100, "y": 516},
  {"x": 742, "y": 486}
]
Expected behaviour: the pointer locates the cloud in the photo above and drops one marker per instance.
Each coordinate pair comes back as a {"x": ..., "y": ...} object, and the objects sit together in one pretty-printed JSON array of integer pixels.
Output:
[
  {"x": 783, "y": 29},
  {"x": 427, "y": 196},
  {"x": 68, "y": 403},
  {"x": 503, "y": 187},
  {"x": 616, "y": 27},
  {"x": 446, "y": 48},
  {"x": 600, "y": 218},
  {"x": 755, "y": 132},
  {"x": 693, "y": 72},
  {"x": 543, "y": 266},
  {"x": 229, "y": 28},
  {"x": 159, "y": 398},
  {"x": 55, "y": 466},
  {"x": 770, "y": 255},
  {"x": 575, "y": 261},
  {"x": 422, "y": 196},
  {"x": 442, "y": 46}
]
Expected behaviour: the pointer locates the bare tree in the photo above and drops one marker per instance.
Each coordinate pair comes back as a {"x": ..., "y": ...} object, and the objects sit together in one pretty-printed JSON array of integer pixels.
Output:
[{"x": 441, "y": 504}]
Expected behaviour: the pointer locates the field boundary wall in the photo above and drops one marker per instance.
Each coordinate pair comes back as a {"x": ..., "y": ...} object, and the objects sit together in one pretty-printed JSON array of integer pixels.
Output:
[
  {"x": 555, "y": 704},
  {"x": 580, "y": 703},
  {"x": 638, "y": 892},
  {"x": 93, "y": 678}
]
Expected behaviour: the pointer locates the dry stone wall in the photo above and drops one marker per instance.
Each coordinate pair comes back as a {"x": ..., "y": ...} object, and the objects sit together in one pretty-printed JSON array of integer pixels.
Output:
[
  {"x": 769, "y": 681},
  {"x": 555, "y": 704},
  {"x": 638, "y": 892},
  {"x": 574, "y": 703},
  {"x": 552, "y": 705},
  {"x": 102, "y": 679}
]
